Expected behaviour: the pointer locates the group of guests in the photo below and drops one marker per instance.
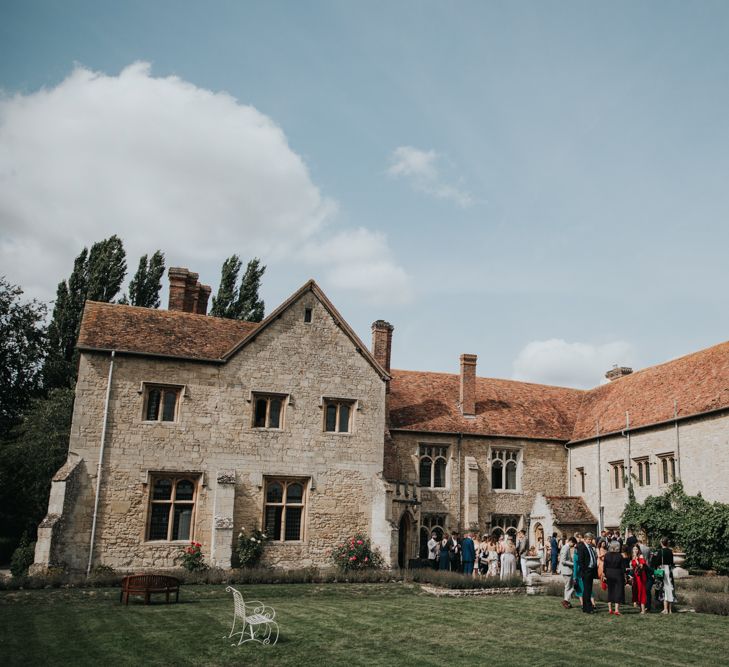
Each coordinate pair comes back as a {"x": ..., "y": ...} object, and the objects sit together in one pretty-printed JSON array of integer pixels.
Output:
[
  {"x": 490, "y": 556},
  {"x": 615, "y": 564}
]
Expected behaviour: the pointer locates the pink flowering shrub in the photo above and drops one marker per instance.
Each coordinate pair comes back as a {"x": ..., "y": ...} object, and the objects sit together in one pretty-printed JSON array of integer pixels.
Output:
[
  {"x": 356, "y": 553},
  {"x": 192, "y": 558}
]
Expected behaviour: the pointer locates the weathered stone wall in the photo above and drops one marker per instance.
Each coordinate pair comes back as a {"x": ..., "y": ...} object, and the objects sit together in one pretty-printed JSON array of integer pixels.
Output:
[
  {"x": 213, "y": 433},
  {"x": 541, "y": 468},
  {"x": 704, "y": 459}
]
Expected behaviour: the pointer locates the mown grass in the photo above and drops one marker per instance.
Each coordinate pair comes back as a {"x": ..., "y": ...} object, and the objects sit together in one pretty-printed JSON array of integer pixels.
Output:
[{"x": 357, "y": 624}]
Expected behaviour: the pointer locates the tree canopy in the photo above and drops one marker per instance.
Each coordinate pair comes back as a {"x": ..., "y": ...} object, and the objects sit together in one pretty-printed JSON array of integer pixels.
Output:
[
  {"x": 145, "y": 286},
  {"x": 242, "y": 302}
]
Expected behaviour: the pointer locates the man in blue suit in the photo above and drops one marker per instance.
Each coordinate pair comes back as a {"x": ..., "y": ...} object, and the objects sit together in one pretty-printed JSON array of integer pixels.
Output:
[
  {"x": 554, "y": 552},
  {"x": 468, "y": 554}
]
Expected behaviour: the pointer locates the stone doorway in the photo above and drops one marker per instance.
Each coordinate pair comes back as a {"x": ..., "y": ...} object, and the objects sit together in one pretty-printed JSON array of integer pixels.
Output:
[{"x": 403, "y": 549}]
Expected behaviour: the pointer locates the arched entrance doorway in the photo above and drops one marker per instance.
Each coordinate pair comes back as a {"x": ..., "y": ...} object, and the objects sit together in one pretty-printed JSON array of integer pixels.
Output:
[{"x": 403, "y": 549}]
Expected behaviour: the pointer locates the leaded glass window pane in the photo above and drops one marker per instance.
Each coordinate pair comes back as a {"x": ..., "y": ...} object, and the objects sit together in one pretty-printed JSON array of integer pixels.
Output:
[
  {"x": 294, "y": 493},
  {"x": 182, "y": 522},
  {"x": 511, "y": 475},
  {"x": 273, "y": 521},
  {"x": 260, "y": 416},
  {"x": 439, "y": 473},
  {"x": 153, "y": 400},
  {"x": 497, "y": 475},
  {"x": 162, "y": 489},
  {"x": 274, "y": 413},
  {"x": 293, "y": 523},
  {"x": 170, "y": 403},
  {"x": 274, "y": 493},
  {"x": 185, "y": 490},
  {"x": 425, "y": 467},
  {"x": 331, "y": 417},
  {"x": 159, "y": 522},
  {"x": 343, "y": 418}
]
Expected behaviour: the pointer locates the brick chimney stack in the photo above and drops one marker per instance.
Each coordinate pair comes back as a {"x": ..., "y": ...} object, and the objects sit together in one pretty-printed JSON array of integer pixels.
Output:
[
  {"x": 382, "y": 342},
  {"x": 468, "y": 385},
  {"x": 186, "y": 293},
  {"x": 618, "y": 372}
]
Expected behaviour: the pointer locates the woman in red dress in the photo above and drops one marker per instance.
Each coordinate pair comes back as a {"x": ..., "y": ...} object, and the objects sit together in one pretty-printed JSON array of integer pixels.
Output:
[{"x": 640, "y": 576}]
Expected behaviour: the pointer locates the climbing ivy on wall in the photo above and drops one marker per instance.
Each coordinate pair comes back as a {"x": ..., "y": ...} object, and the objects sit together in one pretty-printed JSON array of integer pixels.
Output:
[{"x": 693, "y": 524}]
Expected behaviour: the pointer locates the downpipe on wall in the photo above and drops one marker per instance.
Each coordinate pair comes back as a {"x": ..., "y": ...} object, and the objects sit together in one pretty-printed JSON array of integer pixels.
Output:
[{"x": 101, "y": 460}]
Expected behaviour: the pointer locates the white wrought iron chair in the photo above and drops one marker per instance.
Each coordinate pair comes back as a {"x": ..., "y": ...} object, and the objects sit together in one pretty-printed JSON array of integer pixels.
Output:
[{"x": 257, "y": 619}]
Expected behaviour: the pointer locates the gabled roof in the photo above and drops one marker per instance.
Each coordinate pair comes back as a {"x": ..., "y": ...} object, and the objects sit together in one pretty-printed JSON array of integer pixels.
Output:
[
  {"x": 422, "y": 401},
  {"x": 166, "y": 333},
  {"x": 698, "y": 382},
  {"x": 570, "y": 510},
  {"x": 176, "y": 334}
]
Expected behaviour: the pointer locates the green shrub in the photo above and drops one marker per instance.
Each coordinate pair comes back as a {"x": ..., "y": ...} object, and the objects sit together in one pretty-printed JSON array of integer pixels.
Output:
[
  {"x": 356, "y": 553},
  {"x": 249, "y": 550},
  {"x": 22, "y": 558},
  {"x": 710, "y": 603},
  {"x": 103, "y": 575},
  {"x": 456, "y": 580}
]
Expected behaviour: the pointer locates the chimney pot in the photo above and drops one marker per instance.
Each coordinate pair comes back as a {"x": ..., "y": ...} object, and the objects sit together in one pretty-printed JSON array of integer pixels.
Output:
[
  {"x": 617, "y": 372},
  {"x": 468, "y": 384},
  {"x": 202, "y": 300},
  {"x": 191, "y": 288}
]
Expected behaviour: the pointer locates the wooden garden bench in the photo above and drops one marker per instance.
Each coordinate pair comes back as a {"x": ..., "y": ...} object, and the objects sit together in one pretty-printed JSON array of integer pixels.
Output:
[{"x": 147, "y": 584}]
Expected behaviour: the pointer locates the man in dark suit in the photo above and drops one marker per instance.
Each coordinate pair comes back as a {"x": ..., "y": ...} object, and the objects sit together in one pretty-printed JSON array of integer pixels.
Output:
[
  {"x": 468, "y": 554},
  {"x": 553, "y": 553},
  {"x": 587, "y": 556}
]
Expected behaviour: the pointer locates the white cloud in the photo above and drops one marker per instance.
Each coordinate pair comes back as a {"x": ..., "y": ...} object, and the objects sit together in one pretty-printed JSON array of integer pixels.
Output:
[
  {"x": 361, "y": 260},
  {"x": 163, "y": 164},
  {"x": 558, "y": 362},
  {"x": 421, "y": 170}
]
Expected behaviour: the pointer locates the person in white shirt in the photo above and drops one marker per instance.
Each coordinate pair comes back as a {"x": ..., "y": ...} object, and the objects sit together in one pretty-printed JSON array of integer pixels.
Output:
[{"x": 433, "y": 550}]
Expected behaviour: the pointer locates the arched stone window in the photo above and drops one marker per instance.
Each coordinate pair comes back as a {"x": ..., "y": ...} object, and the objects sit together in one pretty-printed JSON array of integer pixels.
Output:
[
  {"x": 505, "y": 469},
  {"x": 433, "y": 466}
]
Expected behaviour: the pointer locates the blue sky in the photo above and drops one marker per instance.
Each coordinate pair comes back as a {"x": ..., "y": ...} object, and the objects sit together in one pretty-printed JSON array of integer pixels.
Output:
[{"x": 542, "y": 184}]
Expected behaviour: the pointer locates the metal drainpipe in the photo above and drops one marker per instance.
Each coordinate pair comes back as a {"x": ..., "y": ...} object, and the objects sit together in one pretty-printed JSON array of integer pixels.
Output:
[
  {"x": 460, "y": 484},
  {"x": 569, "y": 469},
  {"x": 600, "y": 517},
  {"x": 678, "y": 444},
  {"x": 101, "y": 459}
]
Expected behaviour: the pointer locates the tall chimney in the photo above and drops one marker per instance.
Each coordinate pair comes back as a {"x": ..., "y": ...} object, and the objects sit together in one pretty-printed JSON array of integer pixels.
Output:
[
  {"x": 382, "y": 342},
  {"x": 202, "y": 300},
  {"x": 468, "y": 385},
  {"x": 191, "y": 288},
  {"x": 178, "y": 286},
  {"x": 617, "y": 372}
]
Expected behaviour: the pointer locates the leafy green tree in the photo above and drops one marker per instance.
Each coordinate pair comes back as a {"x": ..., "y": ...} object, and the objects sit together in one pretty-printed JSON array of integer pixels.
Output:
[
  {"x": 107, "y": 266},
  {"x": 146, "y": 284},
  {"x": 22, "y": 348},
  {"x": 239, "y": 303},
  {"x": 96, "y": 275},
  {"x": 29, "y": 457}
]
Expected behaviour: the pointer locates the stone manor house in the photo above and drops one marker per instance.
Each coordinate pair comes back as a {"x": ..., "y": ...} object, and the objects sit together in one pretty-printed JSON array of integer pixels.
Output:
[{"x": 188, "y": 427}]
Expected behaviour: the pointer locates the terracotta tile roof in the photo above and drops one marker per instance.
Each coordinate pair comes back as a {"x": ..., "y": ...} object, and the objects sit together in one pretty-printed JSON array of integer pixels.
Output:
[
  {"x": 699, "y": 382},
  {"x": 172, "y": 333},
  {"x": 421, "y": 401},
  {"x": 570, "y": 510}
]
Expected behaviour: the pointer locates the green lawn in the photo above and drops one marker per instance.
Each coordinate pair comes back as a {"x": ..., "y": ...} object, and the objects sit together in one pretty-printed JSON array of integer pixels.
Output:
[{"x": 336, "y": 624}]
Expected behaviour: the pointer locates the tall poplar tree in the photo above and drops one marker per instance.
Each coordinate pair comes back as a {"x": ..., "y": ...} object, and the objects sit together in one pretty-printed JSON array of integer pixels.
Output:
[
  {"x": 146, "y": 284},
  {"x": 239, "y": 302},
  {"x": 97, "y": 275}
]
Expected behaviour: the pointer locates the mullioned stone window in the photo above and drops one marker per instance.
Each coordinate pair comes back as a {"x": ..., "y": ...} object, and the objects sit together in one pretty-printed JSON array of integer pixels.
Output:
[
  {"x": 667, "y": 466},
  {"x": 504, "y": 469},
  {"x": 268, "y": 411},
  {"x": 161, "y": 402},
  {"x": 643, "y": 471},
  {"x": 433, "y": 464},
  {"x": 617, "y": 474},
  {"x": 338, "y": 415},
  {"x": 172, "y": 502},
  {"x": 284, "y": 509}
]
